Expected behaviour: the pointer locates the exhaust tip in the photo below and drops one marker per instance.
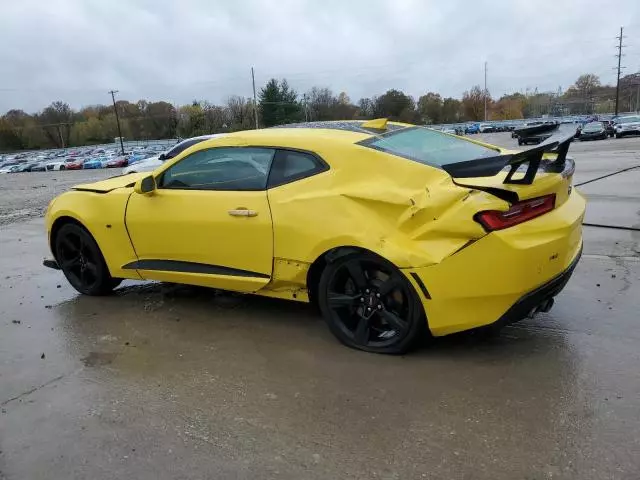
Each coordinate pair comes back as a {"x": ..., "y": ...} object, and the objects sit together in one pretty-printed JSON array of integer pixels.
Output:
[{"x": 546, "y": 305}]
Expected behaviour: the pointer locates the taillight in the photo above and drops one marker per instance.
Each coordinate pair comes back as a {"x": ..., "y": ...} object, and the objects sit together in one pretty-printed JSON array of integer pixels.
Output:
[{"x": 519, "y": 212}]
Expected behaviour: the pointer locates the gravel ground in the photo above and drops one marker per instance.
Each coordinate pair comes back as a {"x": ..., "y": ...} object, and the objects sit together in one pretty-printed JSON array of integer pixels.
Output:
[{"x": 26, "y": 195}]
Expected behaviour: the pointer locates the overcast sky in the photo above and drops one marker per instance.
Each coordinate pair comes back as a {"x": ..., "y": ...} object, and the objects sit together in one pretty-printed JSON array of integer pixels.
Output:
[{"x": 77, "y": 50}]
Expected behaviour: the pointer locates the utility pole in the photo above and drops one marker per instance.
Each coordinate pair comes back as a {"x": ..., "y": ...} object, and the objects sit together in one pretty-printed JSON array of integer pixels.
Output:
[
  {"x": 113, "y": 93},
  {"x": 57, "y": 126},
  {"x": 60, "y": 135},
  {"x": 306, "y": 111},
  {"x": 485, "y": 91},
  {"x": 619, "y": 55},
  {"x": 255, "y": 104}
]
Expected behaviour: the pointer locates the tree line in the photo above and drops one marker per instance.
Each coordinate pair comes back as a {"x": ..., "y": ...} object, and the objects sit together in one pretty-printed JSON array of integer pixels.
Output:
[{"x": 58, "y": 125}]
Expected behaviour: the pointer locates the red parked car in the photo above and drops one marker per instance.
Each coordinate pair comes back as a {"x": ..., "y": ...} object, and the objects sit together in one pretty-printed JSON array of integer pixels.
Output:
[
  {"x": 75, "y": 164},
  {"x": 117, "y": 162}
]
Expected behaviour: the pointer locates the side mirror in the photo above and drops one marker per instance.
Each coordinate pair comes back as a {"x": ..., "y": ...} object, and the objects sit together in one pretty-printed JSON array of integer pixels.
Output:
[{"x": 146, "y": 185}]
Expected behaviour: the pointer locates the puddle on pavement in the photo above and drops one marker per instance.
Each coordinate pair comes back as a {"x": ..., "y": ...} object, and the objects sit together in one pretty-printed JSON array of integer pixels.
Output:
[{"x": 97, "y": 359}]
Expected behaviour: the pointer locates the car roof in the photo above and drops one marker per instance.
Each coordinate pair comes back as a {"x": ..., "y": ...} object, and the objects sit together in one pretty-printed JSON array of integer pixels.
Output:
[{"x": 304, "y": 135}]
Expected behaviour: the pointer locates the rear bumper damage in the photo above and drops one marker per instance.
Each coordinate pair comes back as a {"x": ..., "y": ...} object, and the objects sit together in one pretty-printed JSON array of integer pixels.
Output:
[{"x": 504, "y": 276}]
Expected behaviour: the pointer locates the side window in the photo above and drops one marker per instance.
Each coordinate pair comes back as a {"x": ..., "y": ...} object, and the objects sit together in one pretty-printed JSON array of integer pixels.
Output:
[
  {"x": 220, "y": 169},
  {"x": 289, "y": 165}
]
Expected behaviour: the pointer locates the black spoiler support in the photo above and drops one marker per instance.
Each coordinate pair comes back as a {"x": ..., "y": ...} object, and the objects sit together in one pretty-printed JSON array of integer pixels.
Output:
[{"x": 490, "y": 166}]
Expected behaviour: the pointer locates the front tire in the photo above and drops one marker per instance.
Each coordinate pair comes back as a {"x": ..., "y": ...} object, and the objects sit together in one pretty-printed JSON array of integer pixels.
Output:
[
  {"x": 370, "y": 305},
  {"x": 62, "y": 167},
  {"x": 81, "y": 261}
]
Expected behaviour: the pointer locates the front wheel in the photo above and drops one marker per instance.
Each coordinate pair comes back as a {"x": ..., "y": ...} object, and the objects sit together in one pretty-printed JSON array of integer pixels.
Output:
[
  {"x": 81, "y": 261},
  {"x": 618, "y": 135},
  {"x": 370, "y": 305},
  {"x": 62, "y": 167}
]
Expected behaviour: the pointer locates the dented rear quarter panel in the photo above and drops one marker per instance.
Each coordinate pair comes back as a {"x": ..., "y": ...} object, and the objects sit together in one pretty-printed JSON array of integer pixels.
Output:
[{"x": 411, "y": 214}]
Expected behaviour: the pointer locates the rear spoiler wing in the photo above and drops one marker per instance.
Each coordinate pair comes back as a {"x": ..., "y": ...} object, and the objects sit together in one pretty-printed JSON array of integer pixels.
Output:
[{"x": 490, "y": 166}]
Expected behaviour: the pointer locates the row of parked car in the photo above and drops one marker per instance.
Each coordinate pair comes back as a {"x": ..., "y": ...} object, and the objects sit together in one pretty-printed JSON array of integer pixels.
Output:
[
  {"x": 472, "y": 128},
  {"x": 77, "y": 159},
  {"x": 596, "y": 129},
  {"x": 617, "y": 126},
  {"x": 139, "y": 159}
]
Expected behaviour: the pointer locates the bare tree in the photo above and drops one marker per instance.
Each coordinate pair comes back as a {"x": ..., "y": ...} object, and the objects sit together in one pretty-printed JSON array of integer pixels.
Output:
[{"x": 473, "y": 103}]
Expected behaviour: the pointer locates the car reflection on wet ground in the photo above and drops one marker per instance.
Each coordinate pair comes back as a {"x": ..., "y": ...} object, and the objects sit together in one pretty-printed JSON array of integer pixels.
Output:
[{"x": 166, "y": 381}]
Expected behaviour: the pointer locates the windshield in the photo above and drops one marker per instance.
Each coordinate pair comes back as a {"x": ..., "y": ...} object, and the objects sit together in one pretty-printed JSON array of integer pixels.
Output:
[
  {"x": 593, "y": 127},
  {"x": 628, "y": 119},
  {"x": 429, "y": 146}
]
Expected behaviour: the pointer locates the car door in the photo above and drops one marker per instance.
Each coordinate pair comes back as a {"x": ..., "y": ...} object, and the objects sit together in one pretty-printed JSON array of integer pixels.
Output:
[{"x": 207, "y": 222}]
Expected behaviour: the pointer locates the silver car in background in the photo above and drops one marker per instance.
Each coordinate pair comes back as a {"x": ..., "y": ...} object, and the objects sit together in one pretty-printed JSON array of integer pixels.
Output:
[
  {"x": 149, "y": 164},
  {"x": 629, "y": 125}
]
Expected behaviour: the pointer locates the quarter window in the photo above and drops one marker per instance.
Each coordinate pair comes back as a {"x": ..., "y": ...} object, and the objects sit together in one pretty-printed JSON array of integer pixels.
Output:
[
  {"x": 221, "y": 169},
  {"x": 291, "y": 165}
]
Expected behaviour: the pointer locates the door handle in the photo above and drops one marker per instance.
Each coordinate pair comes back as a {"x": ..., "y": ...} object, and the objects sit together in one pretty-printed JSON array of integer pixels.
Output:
[{"x": 243, "y": 212}]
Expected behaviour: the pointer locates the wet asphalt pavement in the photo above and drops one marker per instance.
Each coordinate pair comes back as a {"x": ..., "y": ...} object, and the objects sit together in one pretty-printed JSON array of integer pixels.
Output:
[{"x": 162, "y": 381}]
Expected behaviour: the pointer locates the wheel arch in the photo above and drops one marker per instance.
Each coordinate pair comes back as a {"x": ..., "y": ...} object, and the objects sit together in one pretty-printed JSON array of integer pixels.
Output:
[
  {"x": 100, "y": 214},
  {"x": 57, "y": 224},
  {"x": 327, "y": 257}
]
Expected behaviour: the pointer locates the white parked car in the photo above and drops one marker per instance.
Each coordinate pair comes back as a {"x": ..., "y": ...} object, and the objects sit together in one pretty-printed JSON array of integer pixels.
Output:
[
  {"x": 9, "y": 169},
  {"x": 55, "y": 165},
  {"x": 629, "y": 125},
  {"x": 151, "y": 163}
]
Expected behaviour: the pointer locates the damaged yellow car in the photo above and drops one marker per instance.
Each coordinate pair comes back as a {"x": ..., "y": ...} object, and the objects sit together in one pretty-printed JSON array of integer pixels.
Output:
[{"x": 395, "y": 231}]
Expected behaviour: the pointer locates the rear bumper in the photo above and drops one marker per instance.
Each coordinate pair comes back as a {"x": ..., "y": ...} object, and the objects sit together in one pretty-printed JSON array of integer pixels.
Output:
[
  {"x": 532, "y": 300},
  {"x": 593, "y": 136},
  {"x": 622, "y": 133},
  {"x": 500, "y": 277}
]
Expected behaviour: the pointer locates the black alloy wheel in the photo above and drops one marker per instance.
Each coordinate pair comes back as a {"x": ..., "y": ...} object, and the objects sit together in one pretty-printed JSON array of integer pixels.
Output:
[
  {"x": 369, "y": 304},
  {"x": 81, "y": 261}
]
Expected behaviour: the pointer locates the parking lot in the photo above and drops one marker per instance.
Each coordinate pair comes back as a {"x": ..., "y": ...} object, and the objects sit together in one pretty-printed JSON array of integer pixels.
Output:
[{"x": 163, "y": 381}]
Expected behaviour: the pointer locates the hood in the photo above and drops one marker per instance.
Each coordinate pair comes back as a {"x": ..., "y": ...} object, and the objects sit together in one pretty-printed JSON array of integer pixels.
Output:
[{"x": 105, "y": 186}]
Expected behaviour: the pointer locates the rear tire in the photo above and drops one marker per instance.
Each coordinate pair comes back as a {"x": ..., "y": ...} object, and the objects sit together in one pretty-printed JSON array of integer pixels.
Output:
[
  {"x": 62, "y": 167},
  {"x": 618, "y": 135},
  {"x": 81, "y": 261},
  {"x": 370, "y": 305}
]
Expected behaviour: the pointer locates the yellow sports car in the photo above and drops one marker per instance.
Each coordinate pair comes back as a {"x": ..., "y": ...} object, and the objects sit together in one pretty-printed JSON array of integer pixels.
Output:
[{"x": 393, "y": 230}]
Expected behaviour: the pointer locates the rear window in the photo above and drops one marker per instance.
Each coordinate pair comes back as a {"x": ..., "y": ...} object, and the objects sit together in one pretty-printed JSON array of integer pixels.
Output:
[{"x": 429, "y": 146}]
